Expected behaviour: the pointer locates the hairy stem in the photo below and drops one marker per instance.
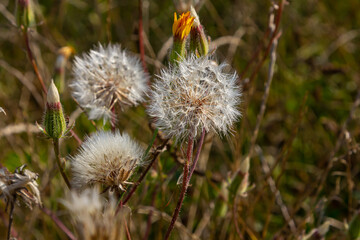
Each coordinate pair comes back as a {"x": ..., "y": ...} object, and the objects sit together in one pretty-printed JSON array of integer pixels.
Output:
[
  {"x": 155, "y": 155},
  {"x": 184, "y": 186},
  {"x": 197, "y": 155},
  {"x": 57, "y": 156}
]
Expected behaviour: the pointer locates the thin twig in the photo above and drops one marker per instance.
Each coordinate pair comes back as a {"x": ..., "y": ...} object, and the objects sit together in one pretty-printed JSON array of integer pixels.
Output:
[
  {"x": 166, "y": 217},
  {"x": 11, "y": 217},
  {"x": 197, "y": 155},
  {"x": 57, "y": 156},
  {"x": 32, "y": 60},
  {"x": 141, "y": 38},
  {"x": 133, "y": 189},
  {"x": 337, "y": 145},
  {"x": 58, "y": 222},
  {"x": 148, "y": 223},
  {"x": 276, "y": 192},
  {"x": 266, "y": 92}
]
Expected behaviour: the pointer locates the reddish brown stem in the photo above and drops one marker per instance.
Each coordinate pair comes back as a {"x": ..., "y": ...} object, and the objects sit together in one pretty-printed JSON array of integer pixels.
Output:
[
  {"x": 148, "y": 224},
  {"x": 113, "y": 119},
  {"x": 133, "y": 189},
  {"x": 184, "y": 186},
  {"x": 141, "y": 38},
  {"x": 58, "y": 222},
  {"x": 197, "y": 155},
  {"x": 32, "y": 60}
]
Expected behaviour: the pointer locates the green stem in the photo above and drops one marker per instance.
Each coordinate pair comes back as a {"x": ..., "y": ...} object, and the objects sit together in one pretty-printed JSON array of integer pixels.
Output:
[{"x": 57, "y": 157}]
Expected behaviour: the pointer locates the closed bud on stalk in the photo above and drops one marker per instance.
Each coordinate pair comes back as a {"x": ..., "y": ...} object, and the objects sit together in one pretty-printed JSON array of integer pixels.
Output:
[
  {"x": 24, "y": 13},
  {"x": 199, "y": 43},
  {"x": 54, "y": 121},
  {"x": 181, "y": 29},
  {"x": 59, "y": 70}
]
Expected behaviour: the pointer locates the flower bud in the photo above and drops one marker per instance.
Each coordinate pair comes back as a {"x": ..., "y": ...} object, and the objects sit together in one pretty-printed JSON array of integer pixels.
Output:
[
  {"x": 54, "y": 121},
  {"x": 24, "y": 13},
  {"x": 181, "y": 29},
  {"x": 198, "y": 40},
  {"x": 59, "y": 70}
]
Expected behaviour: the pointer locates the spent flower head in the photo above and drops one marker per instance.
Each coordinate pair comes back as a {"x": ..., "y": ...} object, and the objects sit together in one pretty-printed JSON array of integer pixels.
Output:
[
  {"x": 107, "y": 76},
  {"x": 94, "y": 216},
  {"x": 194, "y": 95},
  {"x": 21, "y": 184},
  {"x": 106, "y": 158}
]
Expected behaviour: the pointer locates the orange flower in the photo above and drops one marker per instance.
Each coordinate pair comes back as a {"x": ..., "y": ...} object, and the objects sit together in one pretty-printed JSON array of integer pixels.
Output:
[
  {"x": 182, "y": 27},
  {"x": 66, "y": 51}
]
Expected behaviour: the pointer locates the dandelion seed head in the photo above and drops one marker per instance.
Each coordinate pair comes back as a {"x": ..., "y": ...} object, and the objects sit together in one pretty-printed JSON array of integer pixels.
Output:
[
  {"x": 106, "y": 158},
  {"x": 107, "y": 76},
  {"x": 94, "y": 216},
  {"x": 197, "y": 94}
]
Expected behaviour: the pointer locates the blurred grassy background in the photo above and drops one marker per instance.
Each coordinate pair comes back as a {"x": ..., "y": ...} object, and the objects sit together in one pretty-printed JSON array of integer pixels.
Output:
[{"x": 315, "y": 85}]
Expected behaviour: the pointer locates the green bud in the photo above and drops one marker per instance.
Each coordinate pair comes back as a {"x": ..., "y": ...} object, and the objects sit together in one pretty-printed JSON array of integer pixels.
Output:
[
  {"x": 59, "y": 70},
  {"x": 54, "y": 121},
  {"x": 24, "y": 13},
  {"x": 199, "y": 43},
  {"x": 178, "y": 51}
]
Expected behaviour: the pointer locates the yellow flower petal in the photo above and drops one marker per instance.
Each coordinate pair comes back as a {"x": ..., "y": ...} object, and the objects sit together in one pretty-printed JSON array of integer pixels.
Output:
[{"x": 182, "y": 26}]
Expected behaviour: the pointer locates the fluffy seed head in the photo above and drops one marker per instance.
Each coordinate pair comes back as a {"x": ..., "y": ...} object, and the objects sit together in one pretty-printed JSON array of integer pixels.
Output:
[
  {"x": 195, "y": 95},
  {"x": 106, "y": 158},
  {"x": 106, "y": 76},
  {"x": 94, "y": 217}
]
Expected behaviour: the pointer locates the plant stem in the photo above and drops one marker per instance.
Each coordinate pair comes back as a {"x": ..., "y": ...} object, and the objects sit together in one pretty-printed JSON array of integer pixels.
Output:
[
  {"x": 32, "y": 60},
  {"x": 184, "y": 186},
  {"x": 12, "y": 205},
  {"x": 197, "y": 155},
  {"x": 156, "y": 154},
  {"x": 141, "y": 38},
  {"x": 57, "y": 156},
  {"x": 58, "y": 222},
  {"x": 144, "y": 173}
]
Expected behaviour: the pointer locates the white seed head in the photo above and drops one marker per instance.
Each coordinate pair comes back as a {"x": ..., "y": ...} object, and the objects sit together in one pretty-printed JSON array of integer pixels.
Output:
[
  {"x": 196, "y": 95},
  {"x": 94, "y": 216},
  {"x": 106, "y": 158},
  {"x": 52, "y": 94},
  {"x": 107, "y": 76}
]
